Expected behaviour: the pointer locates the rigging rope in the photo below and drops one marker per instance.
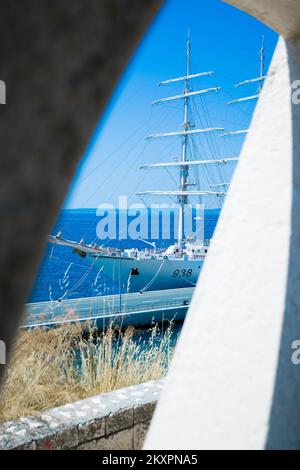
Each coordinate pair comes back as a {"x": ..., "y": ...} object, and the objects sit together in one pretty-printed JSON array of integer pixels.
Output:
[
  {"x": 154, "y": 277},
  {"x": 79, "y": 282}
]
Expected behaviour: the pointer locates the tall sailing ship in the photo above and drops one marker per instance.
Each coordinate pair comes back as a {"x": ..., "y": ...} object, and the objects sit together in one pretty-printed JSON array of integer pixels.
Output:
[{"x": 136, "y": 270}]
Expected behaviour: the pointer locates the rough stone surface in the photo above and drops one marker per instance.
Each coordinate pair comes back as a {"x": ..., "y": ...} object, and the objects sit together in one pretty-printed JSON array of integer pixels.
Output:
[
  {"x": 139, "y": 434},
  {"x": 60, "y": 62},
  {"x": 31, "y": 446},
  {"x": 89, "y": 445},
  {"x": 122, "y": 440},
  {"x": 121, "y": 420},
  {"x": 280, "y": 15},
  {"x": 58, "y": 440},
  {"x": 91, "y": 430},
  {"x": 144, "y": 412},
  {"x": 109, "y": 421}
]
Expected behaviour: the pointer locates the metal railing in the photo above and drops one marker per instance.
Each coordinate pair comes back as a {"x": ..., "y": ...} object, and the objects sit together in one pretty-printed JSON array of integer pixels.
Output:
[{"x": 95, "y": 308}]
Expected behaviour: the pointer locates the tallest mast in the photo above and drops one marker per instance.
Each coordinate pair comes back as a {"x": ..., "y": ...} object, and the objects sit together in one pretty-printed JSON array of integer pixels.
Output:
[
  {"x": 186, "y": 126},
  {"x": 184, "y": 163}
]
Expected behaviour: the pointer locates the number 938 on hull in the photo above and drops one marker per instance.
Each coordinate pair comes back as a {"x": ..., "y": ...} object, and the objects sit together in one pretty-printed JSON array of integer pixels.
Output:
[{"x": 135, "y": 271}]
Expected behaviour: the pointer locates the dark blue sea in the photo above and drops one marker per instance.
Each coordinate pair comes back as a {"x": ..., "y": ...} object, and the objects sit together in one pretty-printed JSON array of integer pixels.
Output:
[{"x": 63, "y": 274}]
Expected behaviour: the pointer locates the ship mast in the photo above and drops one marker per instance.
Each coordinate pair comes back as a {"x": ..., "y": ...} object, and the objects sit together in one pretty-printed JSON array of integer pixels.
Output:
[
  {"x": 187, "y": 130},
  {"x": 184, "y": 169},
  {"x": 260, "y": 81}
]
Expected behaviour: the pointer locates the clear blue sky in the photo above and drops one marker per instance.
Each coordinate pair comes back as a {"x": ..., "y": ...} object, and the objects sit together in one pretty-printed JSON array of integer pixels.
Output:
[{"x": 224, "y": 40}]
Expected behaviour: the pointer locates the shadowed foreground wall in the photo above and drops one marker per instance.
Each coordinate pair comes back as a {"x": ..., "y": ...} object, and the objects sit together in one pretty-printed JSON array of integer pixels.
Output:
[{"x": 60, "y": 61}]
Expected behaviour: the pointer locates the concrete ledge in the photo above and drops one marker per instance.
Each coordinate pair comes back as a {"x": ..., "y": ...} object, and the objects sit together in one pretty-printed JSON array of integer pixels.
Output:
[{"x": 111, "y": 421}]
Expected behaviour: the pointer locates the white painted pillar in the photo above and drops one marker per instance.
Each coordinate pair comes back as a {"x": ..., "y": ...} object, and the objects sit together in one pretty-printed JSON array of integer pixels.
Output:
[{"x": 232, "y": 384}]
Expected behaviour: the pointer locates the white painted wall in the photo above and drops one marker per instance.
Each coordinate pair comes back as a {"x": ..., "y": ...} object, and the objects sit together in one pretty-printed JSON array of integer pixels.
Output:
[{"x": 232, "y": 384}]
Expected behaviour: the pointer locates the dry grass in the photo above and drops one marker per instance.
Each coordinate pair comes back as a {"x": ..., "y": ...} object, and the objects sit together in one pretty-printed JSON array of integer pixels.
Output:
[{"x": 49, "y": 368}]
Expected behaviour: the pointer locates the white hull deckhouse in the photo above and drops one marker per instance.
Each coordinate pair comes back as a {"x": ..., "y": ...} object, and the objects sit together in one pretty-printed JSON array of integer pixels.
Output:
[{"x": 179, "y": 265}]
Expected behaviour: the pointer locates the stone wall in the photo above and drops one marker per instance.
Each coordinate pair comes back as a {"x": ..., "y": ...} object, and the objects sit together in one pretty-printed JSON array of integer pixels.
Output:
[{"x": 111, "y": 421}]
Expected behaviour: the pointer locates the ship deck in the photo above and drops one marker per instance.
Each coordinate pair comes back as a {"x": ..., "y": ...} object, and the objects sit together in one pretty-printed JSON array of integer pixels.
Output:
[{"x": 132, "y": 309}]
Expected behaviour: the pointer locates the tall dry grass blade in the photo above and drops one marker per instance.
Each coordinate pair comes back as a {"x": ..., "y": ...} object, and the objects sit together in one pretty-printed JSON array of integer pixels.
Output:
[{"x": 51, "y": 367}]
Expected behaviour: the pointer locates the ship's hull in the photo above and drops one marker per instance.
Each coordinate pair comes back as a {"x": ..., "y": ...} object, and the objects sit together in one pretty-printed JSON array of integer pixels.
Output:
[{"x": 141, "y": 274}]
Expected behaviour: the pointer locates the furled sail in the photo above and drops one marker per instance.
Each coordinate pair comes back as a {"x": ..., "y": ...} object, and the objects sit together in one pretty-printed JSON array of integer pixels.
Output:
[
  {"x": 181, "y": 193},
  {"x": 186, "y": 77},
  {"x": 220, "y": 161},
  {"x": 243, "y": 131},
  {"x": 184, "y": 133},
  {"x": 186, "y": 95}
]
